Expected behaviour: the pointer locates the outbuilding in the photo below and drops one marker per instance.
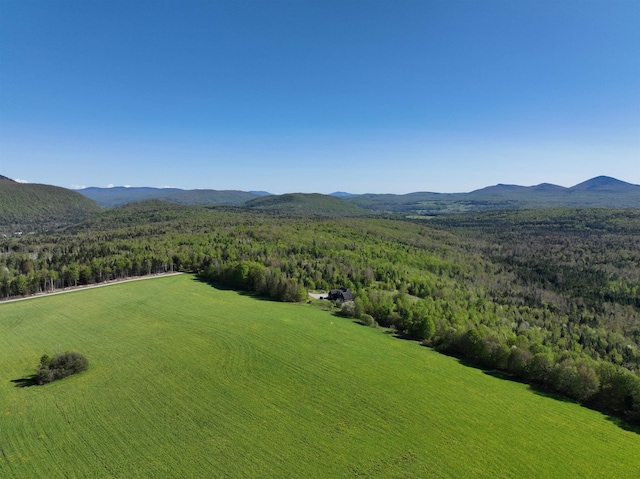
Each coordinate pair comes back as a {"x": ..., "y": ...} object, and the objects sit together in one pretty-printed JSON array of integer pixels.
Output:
[{"x": 342, "y": 294}]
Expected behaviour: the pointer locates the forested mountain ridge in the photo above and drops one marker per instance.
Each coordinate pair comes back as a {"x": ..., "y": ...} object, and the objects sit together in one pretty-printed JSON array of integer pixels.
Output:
[
  {"x": 120, "y": 195},
  {"x": 605, "y": 183},
  {"x": 549, "y": 296},
  {"x": 35, "y": 207}
]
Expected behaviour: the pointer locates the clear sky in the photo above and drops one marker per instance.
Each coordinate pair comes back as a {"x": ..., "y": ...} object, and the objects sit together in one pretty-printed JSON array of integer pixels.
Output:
[{"x": 319, "y": 96}]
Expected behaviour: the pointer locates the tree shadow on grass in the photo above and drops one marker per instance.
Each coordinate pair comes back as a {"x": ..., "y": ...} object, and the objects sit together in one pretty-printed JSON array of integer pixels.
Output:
[
  {"x": 26, "y": 382},
  {"x": 621, "y": 423},
  {"x": 224, "y": 287},
  {"x": 537, "y": 388},
  {"x": 541, "y": 390},
  {"x": 609, "y": 415}
]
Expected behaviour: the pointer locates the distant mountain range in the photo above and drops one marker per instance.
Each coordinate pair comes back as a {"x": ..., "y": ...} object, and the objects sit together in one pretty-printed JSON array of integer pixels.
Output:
[
  {"x": 600, "y": 183},
  {"x": 43, "y": 206},
  {"x": 342, "y": 194},
  {"x": 599, "y": 192}
]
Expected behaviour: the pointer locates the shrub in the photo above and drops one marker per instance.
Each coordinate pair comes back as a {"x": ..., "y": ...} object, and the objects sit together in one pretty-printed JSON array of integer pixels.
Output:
[
  {"x": 347, "y": 309},
  {"x": 60, "y": 366},
  {"x": 577, "y": 380},
  {"x": 368, "y": 320}
]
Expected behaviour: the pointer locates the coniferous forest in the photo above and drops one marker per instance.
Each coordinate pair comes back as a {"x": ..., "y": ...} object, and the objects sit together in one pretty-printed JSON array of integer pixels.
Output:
[{"x": 550, "y": 296}]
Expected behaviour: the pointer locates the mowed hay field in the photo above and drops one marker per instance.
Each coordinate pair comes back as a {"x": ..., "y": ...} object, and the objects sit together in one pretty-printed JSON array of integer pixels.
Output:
[{"x": 189, "y": 381}]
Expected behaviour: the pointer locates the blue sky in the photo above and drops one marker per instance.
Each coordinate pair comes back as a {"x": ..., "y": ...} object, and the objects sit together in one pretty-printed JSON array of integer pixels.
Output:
[{"x": 319, "y": 96}]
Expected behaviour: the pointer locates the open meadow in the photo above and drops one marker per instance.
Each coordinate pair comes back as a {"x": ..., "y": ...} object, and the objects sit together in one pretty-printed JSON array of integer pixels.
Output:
[{"x": 189, "y": 381}]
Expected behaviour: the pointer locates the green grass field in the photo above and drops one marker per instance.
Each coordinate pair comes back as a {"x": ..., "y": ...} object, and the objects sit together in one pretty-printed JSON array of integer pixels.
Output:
[{"x": 189, "y": 381}]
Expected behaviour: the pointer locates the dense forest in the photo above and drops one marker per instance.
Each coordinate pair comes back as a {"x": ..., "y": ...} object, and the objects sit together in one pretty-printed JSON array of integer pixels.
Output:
[{"x": 547, "y": 296}]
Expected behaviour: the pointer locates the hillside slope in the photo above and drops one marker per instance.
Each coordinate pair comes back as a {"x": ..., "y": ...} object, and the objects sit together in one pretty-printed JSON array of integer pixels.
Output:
[
  {"x": 185, "y": 379},
  {"x": 27, "y": 206}
]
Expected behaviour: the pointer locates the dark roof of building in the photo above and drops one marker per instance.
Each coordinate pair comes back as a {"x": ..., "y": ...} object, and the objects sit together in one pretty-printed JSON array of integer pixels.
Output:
[{"x": 344, "y": 294}]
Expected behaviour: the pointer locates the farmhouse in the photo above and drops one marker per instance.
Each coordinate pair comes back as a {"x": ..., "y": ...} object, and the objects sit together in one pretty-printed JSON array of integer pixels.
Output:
[{"x": 342, "y": 294}]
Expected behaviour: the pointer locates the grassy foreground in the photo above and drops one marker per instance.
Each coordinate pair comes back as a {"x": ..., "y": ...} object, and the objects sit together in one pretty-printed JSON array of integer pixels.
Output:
[{"x": 189, "y": 381}]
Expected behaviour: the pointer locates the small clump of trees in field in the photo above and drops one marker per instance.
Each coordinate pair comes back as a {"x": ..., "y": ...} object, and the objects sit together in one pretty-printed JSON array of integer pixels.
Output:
[{"x": 60, "y": 366}]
